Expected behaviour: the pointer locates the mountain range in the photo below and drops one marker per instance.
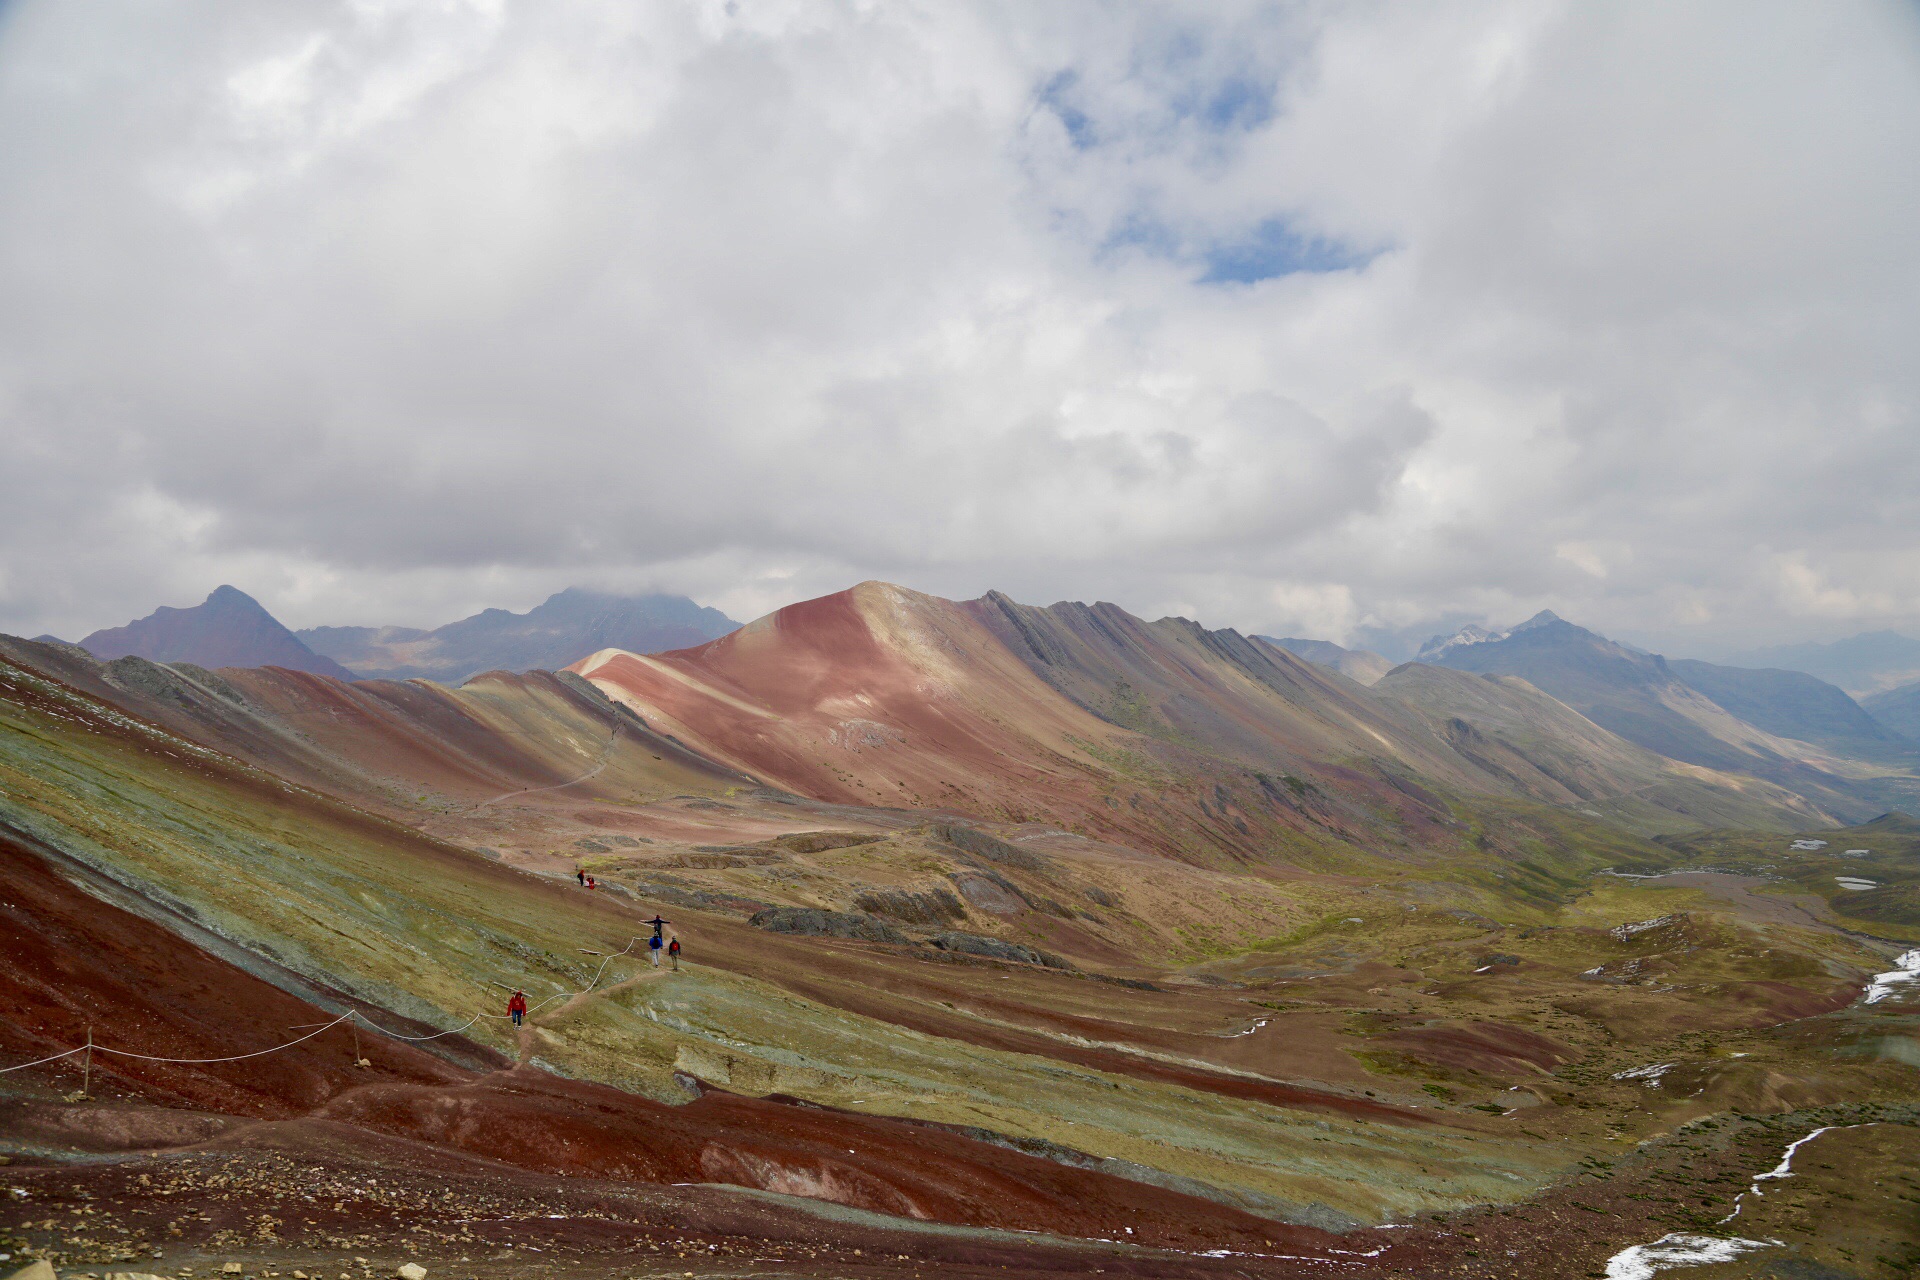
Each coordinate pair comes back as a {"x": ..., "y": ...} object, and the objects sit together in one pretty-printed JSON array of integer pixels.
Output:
[
  {"x": 1016, "y": 930},
  {"x": 567, "y": 626},
  {"x": 231, "y": 629},
  {"x": 1869, "y": 663}
]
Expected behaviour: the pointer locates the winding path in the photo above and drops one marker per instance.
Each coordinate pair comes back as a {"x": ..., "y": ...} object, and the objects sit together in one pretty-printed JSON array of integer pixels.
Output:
[
  {"x": 525, "y": 1035},
  {"x": 606, "y": 758}
]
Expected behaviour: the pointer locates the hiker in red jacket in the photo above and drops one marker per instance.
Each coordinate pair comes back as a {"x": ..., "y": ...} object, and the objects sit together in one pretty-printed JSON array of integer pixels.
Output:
[{"x": 517, "y": 1007}]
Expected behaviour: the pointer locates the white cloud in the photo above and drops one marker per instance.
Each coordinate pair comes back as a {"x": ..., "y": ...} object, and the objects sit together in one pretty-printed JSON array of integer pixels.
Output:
[{"x": 391, "y": 312}]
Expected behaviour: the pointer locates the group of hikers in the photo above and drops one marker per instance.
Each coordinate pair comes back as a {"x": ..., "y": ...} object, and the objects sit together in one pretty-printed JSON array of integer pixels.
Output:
[{"x": 657, "y": 942}]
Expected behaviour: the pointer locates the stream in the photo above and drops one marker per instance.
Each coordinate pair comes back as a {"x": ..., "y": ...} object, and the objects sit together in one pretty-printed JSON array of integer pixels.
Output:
[{"x": 1683, "y": 1249}]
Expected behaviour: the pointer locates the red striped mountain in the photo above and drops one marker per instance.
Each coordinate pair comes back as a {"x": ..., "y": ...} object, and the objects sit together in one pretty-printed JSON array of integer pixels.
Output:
[
  {"x": 1161, "y": 734},
  {"x": 227, "y": 629}
]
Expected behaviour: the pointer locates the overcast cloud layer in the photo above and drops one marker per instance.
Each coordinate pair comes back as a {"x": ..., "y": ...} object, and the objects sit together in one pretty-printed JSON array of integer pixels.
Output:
[{"x": 1305, "y": 319}]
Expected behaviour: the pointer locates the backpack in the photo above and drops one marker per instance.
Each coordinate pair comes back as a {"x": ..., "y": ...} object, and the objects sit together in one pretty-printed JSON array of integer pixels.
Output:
[{"x": 654, "y": 942}]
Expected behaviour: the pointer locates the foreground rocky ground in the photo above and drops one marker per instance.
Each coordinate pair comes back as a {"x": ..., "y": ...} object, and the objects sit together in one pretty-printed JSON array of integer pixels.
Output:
[{"x": 330, "y": 1200}]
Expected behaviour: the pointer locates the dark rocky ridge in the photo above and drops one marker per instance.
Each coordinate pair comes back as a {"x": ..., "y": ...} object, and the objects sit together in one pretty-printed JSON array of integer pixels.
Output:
[{"x": 227, "y": 629}]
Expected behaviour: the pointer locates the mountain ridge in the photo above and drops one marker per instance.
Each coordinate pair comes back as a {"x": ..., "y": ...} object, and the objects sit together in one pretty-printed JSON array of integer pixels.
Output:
[
  {"x": 1864, "y": 664},
  {"x": 1363, "y": 665},
  {"x": 567, "y": 626},
  {"x": 227, "y": 629},
  {"x": 1645, "y": 699}
]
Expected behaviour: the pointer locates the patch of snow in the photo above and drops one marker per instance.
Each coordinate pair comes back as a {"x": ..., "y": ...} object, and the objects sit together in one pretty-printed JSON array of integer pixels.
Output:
[
  {"x": 1651, "y": 1073},
  {"x": 1855, "y": 882},
  {"x": 1678, "y": 1249},
  {"x": 1625, "y": 931},
  {"x": 1808, "y": 846},
  {"x": 1906, "y": 969},
  {"x": 1855, "y": 853}
]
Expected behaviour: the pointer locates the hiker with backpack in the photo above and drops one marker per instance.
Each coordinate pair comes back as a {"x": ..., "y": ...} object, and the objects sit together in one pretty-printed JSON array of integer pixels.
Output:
[
  {"x": 517, "y": 1007},
  {"x": 673, "y": 952}
]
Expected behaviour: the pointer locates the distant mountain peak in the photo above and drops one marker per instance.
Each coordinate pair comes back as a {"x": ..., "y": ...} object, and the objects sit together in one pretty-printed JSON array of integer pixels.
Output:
[
  {"x": 1466, "y": 635},
  {"x": 1471, "y": 635},
  {"x": 227, "y": 629}
]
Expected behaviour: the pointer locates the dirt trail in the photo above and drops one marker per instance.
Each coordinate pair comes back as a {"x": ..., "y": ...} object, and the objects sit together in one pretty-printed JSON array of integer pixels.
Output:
[
  {"x": 606, "y": 758},
  {"x": 525, "y": 1035}
]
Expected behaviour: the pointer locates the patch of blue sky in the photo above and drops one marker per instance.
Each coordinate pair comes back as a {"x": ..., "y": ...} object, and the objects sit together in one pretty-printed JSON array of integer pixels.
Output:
[
  {"x": 1237, "y": 105},
  {"x": 1273, "y": 248},
  {"x": 1056, "y": 96}
]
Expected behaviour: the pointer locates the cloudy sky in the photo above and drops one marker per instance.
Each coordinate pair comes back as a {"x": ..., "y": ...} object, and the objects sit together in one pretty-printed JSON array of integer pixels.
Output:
[{"x": 1311, "y": 319}]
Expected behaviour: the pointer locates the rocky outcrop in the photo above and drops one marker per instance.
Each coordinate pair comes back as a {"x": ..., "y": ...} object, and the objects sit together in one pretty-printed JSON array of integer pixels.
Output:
[
  {"x": 982, "y": 845},
  {"x": 816, "y": 923},
  {"x": 933, "y": 907},
  {"x": 974, "y": 944}
]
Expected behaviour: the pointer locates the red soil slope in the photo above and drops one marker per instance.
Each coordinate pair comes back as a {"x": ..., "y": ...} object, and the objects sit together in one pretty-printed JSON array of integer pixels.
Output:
[
  {"x": 371, "y": 740},
  {"x": 70, "y": 961},
  {"x": 880, "y": 695},
  {"x": 873, "y": 695}
]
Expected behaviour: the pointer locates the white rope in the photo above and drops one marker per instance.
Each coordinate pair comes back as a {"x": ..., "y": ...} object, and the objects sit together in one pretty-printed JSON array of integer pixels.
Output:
[
  {"x": 124, "y": 1053},
  {"x": 435, "y": 1036},
  {"x": 148, "y": 1057},
  {"x": 351, "y": 1013},
  {"x": 55, "y": 1058}
]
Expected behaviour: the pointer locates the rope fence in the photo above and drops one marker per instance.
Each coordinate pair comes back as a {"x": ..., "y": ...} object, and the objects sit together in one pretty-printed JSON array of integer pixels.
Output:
[{"x": 90, "y": 1048}]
